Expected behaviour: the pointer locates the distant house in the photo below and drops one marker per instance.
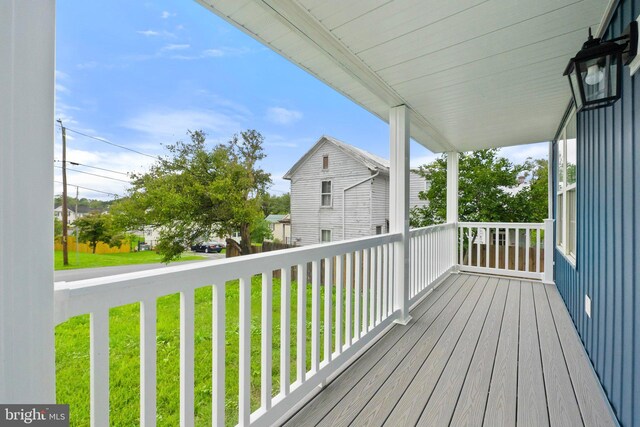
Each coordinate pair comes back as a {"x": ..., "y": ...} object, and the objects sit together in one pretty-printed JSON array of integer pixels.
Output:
[
  {"x": 280, "y": 226},
  {"x": 71, "y": 213},
  {"x": 521, "y": 185},
  {"x": 340, "y": 192}
]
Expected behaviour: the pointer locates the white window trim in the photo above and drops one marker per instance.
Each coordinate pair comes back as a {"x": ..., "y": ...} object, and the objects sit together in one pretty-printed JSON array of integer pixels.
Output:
[
  {"x": 564, "y": 246},
  {"x": 330, "y": 236},
  {"x": 330, "y": 194}
]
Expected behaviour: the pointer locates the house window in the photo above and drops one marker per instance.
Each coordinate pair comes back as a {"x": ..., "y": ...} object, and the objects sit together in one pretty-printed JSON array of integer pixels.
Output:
[
  {"x": 378, "y": 229},
  {"x": 325, "y": 162},
  {"x": 566, "y": 191},
  {"x": 325, "y": 236},
  {"x": 326, "y": 193}
]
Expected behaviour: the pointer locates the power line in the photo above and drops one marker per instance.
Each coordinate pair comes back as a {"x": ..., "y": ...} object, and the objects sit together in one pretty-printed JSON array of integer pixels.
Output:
[
  {"x": 114, "y": 144},
  {"x": 93, "y": 167},
  {"x": 94, "y": 174},
  {"x": 90, "y": 189}
]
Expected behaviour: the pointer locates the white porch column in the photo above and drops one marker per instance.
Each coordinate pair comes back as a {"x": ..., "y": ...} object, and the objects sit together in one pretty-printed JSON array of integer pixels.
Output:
[
  {"x": 548, "y": 251},
  {"x": 452, "y": 200},
  {"x": 399, "y": 205},
  {"x": 452, "y": 187},
  {"x": 27, "y": 66}
]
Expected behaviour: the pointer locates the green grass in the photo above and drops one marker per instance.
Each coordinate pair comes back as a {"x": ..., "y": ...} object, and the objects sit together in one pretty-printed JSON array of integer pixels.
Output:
[
  {"x": 84, "y": 260},
  {"x": 72, "y": 356}
]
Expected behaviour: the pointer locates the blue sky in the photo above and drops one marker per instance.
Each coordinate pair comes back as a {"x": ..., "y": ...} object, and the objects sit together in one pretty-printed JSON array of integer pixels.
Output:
[{"x": 141, "y": 73}]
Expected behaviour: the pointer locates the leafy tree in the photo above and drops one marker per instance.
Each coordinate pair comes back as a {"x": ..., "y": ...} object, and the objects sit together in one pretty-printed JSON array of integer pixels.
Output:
[
  {"x": 260, "y": 231},
  {"x": 57, "y": 227},
  {"x": 483, "y": 175},
  {"x": 196, "y": 191},
  {"x": 97, "y": 227},
  {"x": 531, "y": 203},
  {"x": 93, "y": 204},
  {"x": 276, "y": 204}
]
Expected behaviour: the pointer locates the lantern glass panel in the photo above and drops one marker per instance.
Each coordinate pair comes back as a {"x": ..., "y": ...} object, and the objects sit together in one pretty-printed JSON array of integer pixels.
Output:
[
  {"x": 575, "y": 87},
  {"x": 599, "y": 78}
]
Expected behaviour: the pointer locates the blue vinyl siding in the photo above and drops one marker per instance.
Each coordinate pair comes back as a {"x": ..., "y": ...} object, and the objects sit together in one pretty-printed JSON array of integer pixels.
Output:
[{"x": 608, "y": 235}]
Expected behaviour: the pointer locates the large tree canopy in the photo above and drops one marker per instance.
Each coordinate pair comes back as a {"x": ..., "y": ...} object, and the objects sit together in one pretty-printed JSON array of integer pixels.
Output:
[
  {"x": 483, "y": 177},
  {"x": 276, "y": 204},
  {"x": 195, "y": 192}
]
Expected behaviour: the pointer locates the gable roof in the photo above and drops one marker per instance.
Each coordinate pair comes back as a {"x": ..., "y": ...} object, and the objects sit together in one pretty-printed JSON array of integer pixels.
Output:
[
  {"x": 369, "y": 160},
  {"x": 273, "y": 218}
]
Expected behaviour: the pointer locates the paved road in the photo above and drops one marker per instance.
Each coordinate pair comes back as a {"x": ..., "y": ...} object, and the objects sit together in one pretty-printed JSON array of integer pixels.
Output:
[{"x": 90, "y": 273}]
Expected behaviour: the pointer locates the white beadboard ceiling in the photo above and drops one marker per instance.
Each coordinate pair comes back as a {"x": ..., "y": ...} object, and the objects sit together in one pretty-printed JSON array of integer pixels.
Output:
[{"x": 475, "y": 73}]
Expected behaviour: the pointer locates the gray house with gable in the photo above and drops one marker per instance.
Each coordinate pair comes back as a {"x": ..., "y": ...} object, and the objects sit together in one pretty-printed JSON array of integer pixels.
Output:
[{"x": 341, "y": 192}]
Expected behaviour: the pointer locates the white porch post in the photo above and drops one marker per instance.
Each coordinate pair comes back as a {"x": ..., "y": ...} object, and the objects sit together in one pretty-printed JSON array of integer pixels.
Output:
[
  {"x": 452, "y": 200},
  {"x": 399, "y": 205},
  {"x": 548, "y": 251},
  {"x": 27, "y": 66},
  {"x": 452, "y": 187}
]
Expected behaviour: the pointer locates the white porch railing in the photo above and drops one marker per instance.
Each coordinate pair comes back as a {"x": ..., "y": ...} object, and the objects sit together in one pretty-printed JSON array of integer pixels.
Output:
[
  {"x": 356, "y": 273},
  {"x": 508, "y": 249},
  {"x": 352, "y": 279},
  {"x": 432, "y": 252}
]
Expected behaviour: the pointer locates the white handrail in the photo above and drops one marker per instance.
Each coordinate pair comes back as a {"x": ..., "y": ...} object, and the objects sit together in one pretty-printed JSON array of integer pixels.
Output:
[
  {"x": 87, "y": 296},
  {"x": 431, "y": 257},
  {"x": 362, "y": 280},
  {"x": 509, "y": 249}
]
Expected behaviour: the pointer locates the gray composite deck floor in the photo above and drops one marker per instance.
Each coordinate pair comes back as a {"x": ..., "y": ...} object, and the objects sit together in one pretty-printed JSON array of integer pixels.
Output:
[{"x": 480, "y": 350}]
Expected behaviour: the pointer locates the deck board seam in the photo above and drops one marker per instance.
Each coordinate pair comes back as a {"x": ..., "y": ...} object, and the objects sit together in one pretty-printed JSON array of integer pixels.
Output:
[
  {"x": 544, "y": 380},
  {"x": 504, "y": 309},
  {"x": 518, "y": 348},
  {"x": 475, "y": 348},
  {"x": 435, "y": 345}
]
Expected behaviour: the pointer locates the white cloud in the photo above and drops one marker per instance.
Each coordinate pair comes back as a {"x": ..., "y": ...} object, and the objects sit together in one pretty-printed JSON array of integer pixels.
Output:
[
  {"x": 122, "y": 162},
  {"x": 60, "y": 75},
  {"x": 61, "y": 89},
  {"x": 63, "y": 114},
  {"x": 279, "y": 141},
  {"x": 173, "y": 46},
  {"x": 149, "y": 33},
  {"x": 519, "y": 153},
  {"x": 283, "y": 116},
  {"x": 213, "y": 53},
  {"x": 167, "y": 126},
  {"x": 154, "y": 33},
  {"x": 165, "y": 14},
  {"x": 227, "y": 105}
]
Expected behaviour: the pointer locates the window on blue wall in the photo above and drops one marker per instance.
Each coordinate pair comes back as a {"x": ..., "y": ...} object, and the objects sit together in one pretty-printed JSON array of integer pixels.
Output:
[{"x": 566, "y": 172}]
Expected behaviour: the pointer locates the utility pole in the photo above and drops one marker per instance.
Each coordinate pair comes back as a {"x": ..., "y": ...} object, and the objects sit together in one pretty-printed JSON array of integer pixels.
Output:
[
  {"x": 76, "y": 227},
  {"x": 65, "y": 249}
]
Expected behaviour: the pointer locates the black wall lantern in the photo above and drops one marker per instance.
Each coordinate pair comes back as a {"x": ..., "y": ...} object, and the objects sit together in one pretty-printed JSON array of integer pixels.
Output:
[{"x": 596, "y": 71}]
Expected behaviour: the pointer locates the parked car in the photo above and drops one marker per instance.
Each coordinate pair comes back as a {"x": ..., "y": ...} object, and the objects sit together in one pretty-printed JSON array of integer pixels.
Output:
[{"x": 208, "y": 247}]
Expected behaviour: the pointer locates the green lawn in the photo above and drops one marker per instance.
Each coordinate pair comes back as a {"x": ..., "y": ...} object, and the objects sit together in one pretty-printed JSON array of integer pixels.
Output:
[
  {"x": 72, "y": 357},
  {"x": 84, "y": 260}
]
